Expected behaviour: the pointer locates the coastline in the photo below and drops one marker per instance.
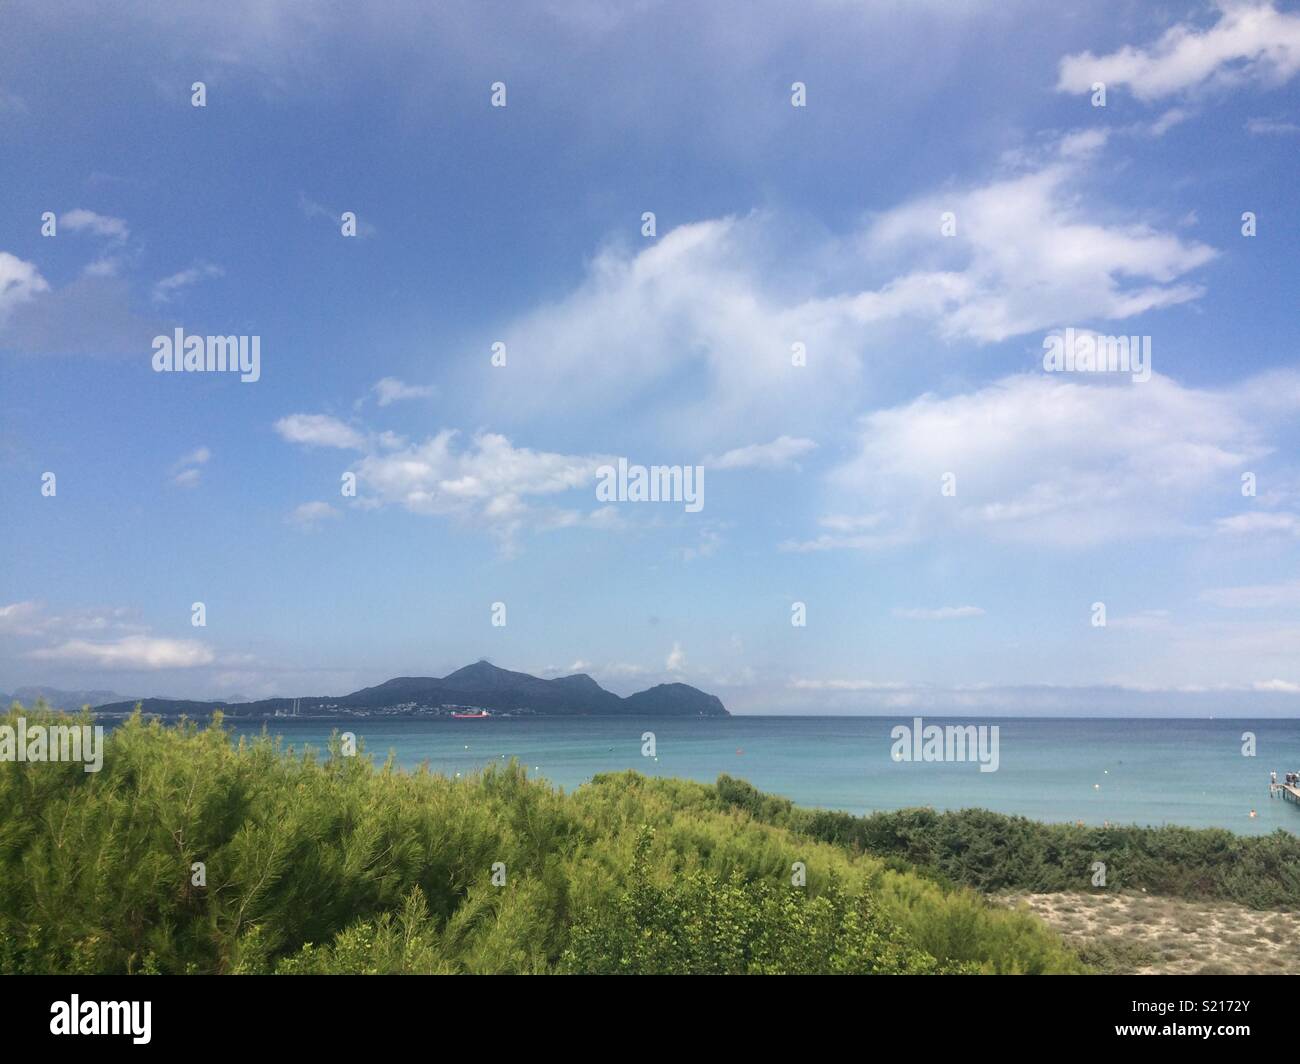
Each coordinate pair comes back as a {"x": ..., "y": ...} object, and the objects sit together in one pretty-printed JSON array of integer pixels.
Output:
[{"x": 290, "y": 856}]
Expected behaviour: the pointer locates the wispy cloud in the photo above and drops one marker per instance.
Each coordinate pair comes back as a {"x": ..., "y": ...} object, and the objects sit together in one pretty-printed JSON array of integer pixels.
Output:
[
  {"x": 164, "y": 290},
  {"x": 81, "y": 220},
  {"x": 1271, "y": 127},
  {"x": 1249, "y": 42},
  {"x": 319, "y": 430},
  {"x": 187, "y": 471},
  {"x": 779, "y": 454},
  {"x": 130, "y": 652},
  {"x": 390, "y": 390},
  {"x": 1041, "y": 459}
]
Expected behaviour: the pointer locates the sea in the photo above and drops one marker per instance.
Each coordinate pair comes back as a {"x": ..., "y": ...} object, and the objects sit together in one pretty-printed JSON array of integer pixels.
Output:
[{"x": 1194, "y": 773}]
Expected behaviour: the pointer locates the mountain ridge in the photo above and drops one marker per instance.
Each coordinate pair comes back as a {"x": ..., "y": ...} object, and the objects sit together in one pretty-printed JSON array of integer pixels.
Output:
[
  {"x": 57, "y": 698},
  {"x": 481, "y": 685}
]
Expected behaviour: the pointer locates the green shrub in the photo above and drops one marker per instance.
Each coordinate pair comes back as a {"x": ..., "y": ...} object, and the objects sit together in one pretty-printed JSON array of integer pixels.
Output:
[
  {"x": 703, "y": 925},
  {"x": 993, "y": 852},
  {"x": 339, "y": 864}
]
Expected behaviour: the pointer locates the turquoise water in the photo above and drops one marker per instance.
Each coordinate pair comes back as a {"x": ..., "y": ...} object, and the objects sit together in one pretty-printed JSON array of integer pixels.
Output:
[{"x": 1188, "y": 772}]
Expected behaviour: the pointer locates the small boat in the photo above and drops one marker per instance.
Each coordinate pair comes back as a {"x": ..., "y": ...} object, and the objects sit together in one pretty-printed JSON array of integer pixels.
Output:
[{"x": 476, "y": 715}]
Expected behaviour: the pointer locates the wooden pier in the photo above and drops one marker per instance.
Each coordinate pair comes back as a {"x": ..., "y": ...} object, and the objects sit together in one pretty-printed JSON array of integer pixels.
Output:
[{"x": 1288, "y": 792}]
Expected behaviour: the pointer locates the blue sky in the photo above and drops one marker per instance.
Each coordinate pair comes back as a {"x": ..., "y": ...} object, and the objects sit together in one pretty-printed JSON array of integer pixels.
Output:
[{"x": 775, "y": 225}]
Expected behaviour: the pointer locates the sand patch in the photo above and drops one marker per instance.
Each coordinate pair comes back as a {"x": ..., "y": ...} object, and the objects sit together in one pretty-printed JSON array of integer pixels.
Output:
[{"x": 1132, "y": 932}]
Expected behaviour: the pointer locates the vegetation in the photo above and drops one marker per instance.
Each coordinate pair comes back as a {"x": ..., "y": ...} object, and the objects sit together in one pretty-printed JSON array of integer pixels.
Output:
[
  {"x": 338, "y": 864},
  {"x": 992, "y": 852}
]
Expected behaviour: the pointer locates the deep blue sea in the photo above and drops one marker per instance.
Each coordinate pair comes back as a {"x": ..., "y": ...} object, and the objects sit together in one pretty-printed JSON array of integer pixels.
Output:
[{"x": 1188, "y": 772}]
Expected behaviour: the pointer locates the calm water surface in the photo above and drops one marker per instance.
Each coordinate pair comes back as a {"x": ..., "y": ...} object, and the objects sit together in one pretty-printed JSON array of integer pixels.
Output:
[{"x": 1189, "y": 772}]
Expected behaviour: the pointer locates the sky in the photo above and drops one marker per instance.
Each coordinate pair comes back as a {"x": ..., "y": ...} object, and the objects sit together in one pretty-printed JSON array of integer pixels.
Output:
[{"x": 870, "y": 223}]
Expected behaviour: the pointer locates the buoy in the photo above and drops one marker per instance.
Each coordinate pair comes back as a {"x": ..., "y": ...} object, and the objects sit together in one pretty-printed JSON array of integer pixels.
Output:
[{"x": 1096, "y": 786}]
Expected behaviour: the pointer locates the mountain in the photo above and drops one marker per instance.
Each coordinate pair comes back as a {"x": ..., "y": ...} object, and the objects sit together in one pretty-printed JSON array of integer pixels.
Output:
[
  {"x": 57, "y": 699},
  {"x": 481, "y": 685},
  {"x": 675, "y": 700}
]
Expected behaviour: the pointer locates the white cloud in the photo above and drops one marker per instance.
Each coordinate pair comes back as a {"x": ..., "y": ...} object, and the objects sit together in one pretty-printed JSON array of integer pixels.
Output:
[
  {"x": 1249, "y": 42},
  {"x": 1043, "y": 459},
  {"x": 20, "y": 618},
  {"x": 319, "y": 430},
  {"x": 1026, "y": 256},
  {"x": 1279, "y": 686},
  {"x": 20, "y": 282},
  {"x": 696, "y": 303},
  {"x": 489, "y": 477},
  {"x": 1262, "y": 523},
  {"x": 186, "y": 471},
  {"x": 31, "y": 619},
  {"x": 130, "y": 652},
  {"x": 779, "y": 454},
  {"x": 1175, "y": 116},
  {"x": 391, "y": 390},
  {"x": 676, "y": 660},
  {"x": 168, "y": 286},
  {"x": 943, "y": 613},
  {"x": 708, "y": 317},
  {"x": 488, "y": 480},
  {"x": 84, "y": 221}
]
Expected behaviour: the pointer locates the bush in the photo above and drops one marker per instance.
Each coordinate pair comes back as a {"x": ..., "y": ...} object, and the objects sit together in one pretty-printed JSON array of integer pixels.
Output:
[
  {"x": 992, "y": 852},
  {"x": 704, "y": 925},
  {"x": 339, "y": 864}
]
